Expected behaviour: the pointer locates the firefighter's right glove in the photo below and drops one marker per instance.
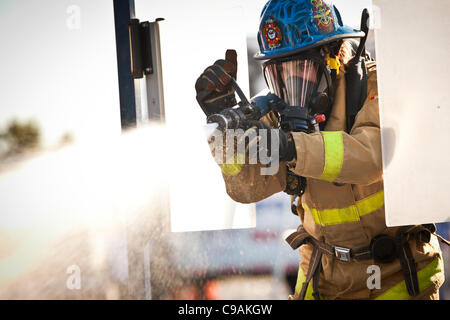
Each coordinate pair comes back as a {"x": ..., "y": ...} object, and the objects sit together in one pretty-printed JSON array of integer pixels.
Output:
[{"x": 214, "y": 86}]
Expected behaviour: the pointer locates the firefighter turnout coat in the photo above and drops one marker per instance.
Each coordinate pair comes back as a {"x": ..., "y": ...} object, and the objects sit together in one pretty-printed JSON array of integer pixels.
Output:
[{"x": 343, "y": 203}]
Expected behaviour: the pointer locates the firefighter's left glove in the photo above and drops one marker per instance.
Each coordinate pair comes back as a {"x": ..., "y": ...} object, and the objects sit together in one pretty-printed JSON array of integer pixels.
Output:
[
  {"x": 214, "y": 86},
  {"x": 261, "y": 135}
]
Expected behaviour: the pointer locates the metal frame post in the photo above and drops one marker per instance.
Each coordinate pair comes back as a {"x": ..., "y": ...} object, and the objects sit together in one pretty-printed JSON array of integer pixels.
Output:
[{"x": 138, "y": 258}]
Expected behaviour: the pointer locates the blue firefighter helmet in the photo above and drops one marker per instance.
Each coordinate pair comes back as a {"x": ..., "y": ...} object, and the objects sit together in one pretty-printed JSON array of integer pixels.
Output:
[{"x": 289, "y": 27}]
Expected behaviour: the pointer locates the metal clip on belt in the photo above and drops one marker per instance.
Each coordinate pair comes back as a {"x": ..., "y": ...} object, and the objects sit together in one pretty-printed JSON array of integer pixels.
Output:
[{"x": 342, "y": 254}]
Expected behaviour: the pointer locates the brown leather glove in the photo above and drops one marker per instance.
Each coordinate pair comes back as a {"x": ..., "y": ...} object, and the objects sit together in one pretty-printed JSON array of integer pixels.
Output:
[
  {"x": 286, "y": 144},
  {"x": 214, "y": 88}
]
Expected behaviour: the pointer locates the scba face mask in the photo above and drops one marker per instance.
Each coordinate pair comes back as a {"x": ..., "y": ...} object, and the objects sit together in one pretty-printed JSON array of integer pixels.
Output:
[
  {"x": 294, "y": 81},
  {"x": 302, "y": 82}
]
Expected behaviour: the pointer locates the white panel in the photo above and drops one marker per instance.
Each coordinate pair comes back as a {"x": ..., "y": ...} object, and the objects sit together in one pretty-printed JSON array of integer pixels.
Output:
[
  {"x": 193, "y": 36},
  {"x": 412, "y": 46}
]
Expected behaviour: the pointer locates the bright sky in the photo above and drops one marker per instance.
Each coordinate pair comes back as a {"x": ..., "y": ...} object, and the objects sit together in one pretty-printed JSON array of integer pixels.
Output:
[{"x": 65, "y": 77}]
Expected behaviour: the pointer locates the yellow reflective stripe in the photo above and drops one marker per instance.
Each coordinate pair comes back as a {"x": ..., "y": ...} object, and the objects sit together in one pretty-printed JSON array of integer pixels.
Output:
[
  {"x": 232, "y": 169},
  {"x": 427, "y": 276},
  {"x": 298, "y": 286},
  {"x": 333, "y": 216},
  {"x": 370, "y": 204},
  {"x": 352, "y": 213},
  {"x": 334, "y": 155}
]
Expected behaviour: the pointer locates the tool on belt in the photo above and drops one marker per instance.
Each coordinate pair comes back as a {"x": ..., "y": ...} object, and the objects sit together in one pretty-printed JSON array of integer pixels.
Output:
[{"x": 382, "y": 249}]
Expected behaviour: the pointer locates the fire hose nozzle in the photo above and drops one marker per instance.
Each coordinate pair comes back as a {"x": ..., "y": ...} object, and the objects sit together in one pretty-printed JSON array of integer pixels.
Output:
[{"x": 232, "y": 118}]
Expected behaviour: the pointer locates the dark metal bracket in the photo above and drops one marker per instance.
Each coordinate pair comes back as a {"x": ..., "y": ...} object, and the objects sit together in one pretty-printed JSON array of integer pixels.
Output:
[{"x": 140, "y": 48}]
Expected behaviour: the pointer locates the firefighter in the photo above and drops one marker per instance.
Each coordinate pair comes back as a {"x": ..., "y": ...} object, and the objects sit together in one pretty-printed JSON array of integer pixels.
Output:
[{"x": 333, "y": 173}]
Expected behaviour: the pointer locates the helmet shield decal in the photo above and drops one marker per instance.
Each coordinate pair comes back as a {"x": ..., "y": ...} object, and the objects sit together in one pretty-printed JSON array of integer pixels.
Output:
[
  {"x": 295, "y": 81},
  {"x": 323, "y": 17},
  {"x": 272, "y": 34}
]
